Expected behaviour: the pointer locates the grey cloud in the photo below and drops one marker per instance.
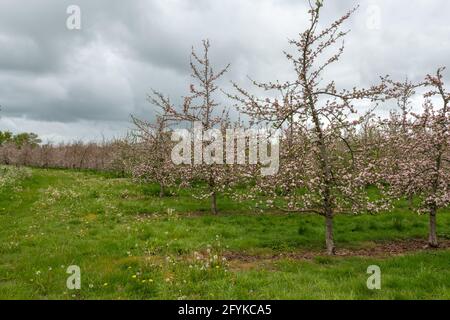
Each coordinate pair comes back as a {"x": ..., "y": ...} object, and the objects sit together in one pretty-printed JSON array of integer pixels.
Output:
[{"x": 102, "y": 73}]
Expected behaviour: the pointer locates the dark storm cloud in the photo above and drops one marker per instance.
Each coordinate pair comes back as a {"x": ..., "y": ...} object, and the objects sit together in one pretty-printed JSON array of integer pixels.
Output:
[{"x": 95, "y": 77}]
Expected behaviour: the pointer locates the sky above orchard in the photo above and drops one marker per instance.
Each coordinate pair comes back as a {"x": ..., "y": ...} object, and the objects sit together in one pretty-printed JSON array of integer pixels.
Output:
[{"x": 83, "y": 84}]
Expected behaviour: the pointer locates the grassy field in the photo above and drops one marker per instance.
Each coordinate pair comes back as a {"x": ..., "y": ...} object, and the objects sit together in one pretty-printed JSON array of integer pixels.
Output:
[{"x": 129, "y": 245}]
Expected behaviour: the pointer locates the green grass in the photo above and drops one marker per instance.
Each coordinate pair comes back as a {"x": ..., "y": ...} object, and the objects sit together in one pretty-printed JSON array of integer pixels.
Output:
[{"x": 129, "y": 247}]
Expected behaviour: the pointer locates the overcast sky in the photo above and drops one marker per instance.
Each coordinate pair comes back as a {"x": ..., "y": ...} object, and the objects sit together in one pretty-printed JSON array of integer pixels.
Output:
[{"x": 83, "y": 84}]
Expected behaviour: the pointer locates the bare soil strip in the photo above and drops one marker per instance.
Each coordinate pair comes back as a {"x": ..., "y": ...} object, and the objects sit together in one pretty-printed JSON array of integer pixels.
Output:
[{"x": 378, "y": 249}]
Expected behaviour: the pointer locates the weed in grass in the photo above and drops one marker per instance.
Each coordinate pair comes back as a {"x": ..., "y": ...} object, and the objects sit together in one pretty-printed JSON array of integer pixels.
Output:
[
  {"x": 398, "y": 223},
  {"x": 302, "y": 229}
]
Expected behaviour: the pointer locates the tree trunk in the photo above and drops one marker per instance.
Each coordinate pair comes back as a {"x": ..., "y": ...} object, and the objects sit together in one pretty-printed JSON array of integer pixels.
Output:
[
  {"x": 331, "y": 249},
  {"x": 410, "y": 202},
  {"x": 161, "y": 190},
  {"x": 213, "y": 203},
  {"x": 327, "y": 176},
  {"x": 432, "y": 239}
]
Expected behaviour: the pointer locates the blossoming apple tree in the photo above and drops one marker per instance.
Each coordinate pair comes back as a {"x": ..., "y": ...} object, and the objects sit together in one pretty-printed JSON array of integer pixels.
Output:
[{"x": 325, "y": 173}]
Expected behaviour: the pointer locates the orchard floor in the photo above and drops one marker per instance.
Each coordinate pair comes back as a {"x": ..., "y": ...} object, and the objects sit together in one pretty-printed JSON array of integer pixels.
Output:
[{"x": 129, "y": 245}]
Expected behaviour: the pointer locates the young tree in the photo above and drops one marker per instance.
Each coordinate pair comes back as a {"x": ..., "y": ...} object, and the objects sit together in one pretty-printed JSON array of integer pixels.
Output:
[
  {"x": 397, "y": 134},
  {"x": 153, "y": 147},
  {"x": 424, "y": 166},
  {"x": 326, "y": 164},
  {"x": 201, "y": 107}
]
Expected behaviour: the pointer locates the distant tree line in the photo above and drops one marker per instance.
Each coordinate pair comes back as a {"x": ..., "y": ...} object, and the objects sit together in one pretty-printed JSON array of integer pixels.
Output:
[
  {"x": 20, "y": 139},
  {"x": 26, "y": 149}
]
